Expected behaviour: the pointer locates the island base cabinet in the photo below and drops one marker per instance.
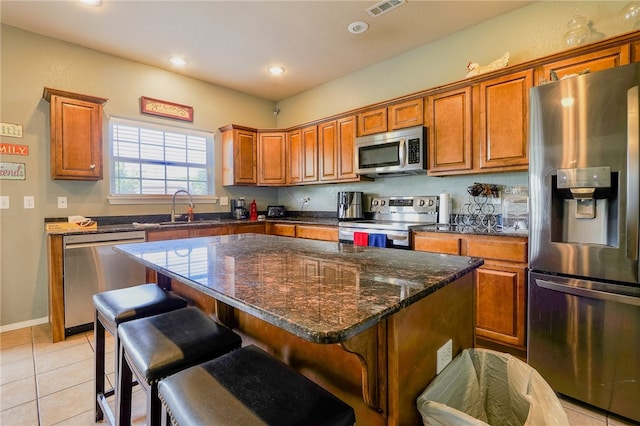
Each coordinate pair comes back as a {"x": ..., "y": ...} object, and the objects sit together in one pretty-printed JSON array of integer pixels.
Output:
[{"x": 381, "y": 371}]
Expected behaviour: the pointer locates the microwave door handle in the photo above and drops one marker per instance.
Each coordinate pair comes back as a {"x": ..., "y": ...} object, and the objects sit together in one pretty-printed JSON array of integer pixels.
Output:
[
  {"x": 633, "y": 174},
  {"x": 402, "y": 152}
]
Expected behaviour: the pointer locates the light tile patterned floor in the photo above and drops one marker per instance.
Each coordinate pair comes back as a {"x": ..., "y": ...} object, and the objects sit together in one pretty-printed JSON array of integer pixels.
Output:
[{"x": 44, "y": 383}]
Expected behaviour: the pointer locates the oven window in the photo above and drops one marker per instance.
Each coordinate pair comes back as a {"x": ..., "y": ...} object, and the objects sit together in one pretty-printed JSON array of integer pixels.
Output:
[{"x": 383, "y": 155}]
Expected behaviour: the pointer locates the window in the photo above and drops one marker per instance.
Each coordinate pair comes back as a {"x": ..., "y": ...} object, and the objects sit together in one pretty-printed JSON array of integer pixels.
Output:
[{"x": 153, "y": 160}]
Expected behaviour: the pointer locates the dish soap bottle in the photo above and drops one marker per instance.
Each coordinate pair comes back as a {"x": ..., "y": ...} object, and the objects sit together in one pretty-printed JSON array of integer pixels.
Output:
[{"x": 253, "y": 211}]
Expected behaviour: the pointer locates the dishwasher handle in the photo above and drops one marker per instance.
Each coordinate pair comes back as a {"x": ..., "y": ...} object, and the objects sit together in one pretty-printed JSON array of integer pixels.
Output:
[
  {"x": 587, "y": 292},
  {"x": 71, "y": 246}
]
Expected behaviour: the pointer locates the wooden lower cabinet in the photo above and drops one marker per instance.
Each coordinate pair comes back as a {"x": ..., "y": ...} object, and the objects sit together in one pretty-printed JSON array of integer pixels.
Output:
[
  {"x": 500, "y": 284},
  {"x": 282, "y": 229}
]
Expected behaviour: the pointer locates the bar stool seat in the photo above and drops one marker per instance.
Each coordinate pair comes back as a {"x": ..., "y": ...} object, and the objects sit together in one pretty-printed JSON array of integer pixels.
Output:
[
  {"x": 249, "y": 387},
  {"x": 114, "y": 307},
  {"x": 155, "y": 347}
]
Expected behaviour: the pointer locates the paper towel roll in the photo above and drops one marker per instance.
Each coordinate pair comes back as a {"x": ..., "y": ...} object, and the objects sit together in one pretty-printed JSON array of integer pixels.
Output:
[{"x": 443, "y": 215}]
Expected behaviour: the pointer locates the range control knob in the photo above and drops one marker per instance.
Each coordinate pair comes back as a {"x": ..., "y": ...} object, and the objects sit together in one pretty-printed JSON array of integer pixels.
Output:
[
  {"x": 421, "y": 202},
  {"x": 383, "y": 202},
  {"x": 375, "y": 202}
]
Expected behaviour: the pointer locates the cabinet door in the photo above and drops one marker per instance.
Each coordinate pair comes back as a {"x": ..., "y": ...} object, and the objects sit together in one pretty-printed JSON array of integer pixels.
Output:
[
  {"x": 328, "y": 150},
  {"x": 406, "y": 114},
  {"x": 450, "y": 128},
  {"x": 272, "y": 158},
  {"x": 239, "y": 157},
  {"x": 504, "y": 121},
  {"x": 294, "y": 174},
  {"x": 76, "y": 139},
  {"x": 346, "y": 148},
  {"x": 501, "y": 303},
  {"x": 596, "y": 61},
  {"x": 310, "y": 154},
  {"x": 374, "y": 121},
  {"x": 436, "y": 243}
]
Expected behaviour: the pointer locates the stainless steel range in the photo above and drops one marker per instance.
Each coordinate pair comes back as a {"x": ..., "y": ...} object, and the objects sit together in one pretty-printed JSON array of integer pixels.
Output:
[{"x": 392, "y": 219}]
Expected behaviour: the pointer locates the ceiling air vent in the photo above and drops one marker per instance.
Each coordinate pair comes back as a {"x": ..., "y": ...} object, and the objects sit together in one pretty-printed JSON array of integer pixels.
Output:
[{"x": 384, "y": 7}]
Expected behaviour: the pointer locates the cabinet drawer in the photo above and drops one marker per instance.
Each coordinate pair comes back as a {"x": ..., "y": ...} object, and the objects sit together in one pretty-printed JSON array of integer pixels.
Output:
[
  {"x": 283, "y": 229},
  {"x": 436, "y": 244},
  {"x": 325, "y": 233},
  {"x": 498, "y": 249}
]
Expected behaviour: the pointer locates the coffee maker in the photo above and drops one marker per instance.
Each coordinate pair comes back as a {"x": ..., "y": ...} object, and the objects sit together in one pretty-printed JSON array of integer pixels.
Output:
[
  {"x": 350, "y": 205},
  {"x": 238, "y": 208}
]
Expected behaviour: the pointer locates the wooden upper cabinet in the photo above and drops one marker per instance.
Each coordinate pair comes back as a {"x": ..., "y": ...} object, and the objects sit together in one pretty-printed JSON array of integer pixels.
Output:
[
  {"x": 371, "y": 122},
  {"x": 406, "y": 114},
  {"x": 346, "y": 148},
  {"x": 76, "y": 135},
  {"x": 595, "y": 61},
  {"x": 449, "y": 121},
  {"x": 328, "y": 150},
  {"x": 294, "y": 169},
  {"x": 309, "y": 137},
  {"x": 272, "y": 158},
  {"x": 239, "y": 155},
  {"x": 504, "y": 121},
  {"x": 396, "y": 116},
  {"x": 336, "y": 140}
]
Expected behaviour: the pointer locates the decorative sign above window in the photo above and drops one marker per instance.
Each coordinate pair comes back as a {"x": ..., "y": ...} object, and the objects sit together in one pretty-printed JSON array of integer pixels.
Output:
[
  {"x": 166, "y": 109},
  {"x": 14, "y": 149},
  {"x": 11, "y": 130}
]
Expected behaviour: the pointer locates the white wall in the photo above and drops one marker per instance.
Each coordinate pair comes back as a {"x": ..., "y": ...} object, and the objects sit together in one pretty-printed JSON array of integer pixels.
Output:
[{"x": 29, "y": 63}]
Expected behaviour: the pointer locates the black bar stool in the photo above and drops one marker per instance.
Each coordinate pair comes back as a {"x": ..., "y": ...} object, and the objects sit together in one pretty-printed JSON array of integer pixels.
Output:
[
  {"x": 113, "y": 308},
  {"x": 249, "y": 387},
  {"x": 155, "y": 347}
]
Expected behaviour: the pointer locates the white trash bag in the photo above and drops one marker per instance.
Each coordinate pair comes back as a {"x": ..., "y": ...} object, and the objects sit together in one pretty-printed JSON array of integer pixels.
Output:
[{"x": 484, "y": 387}]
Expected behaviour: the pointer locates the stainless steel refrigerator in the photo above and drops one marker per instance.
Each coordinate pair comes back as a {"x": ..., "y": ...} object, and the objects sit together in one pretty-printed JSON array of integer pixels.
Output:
[{"x": 584, "y": 291}]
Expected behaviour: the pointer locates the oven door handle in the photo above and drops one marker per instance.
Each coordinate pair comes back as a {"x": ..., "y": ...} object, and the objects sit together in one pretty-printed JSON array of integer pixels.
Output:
[{"x": 586, "y": 292}]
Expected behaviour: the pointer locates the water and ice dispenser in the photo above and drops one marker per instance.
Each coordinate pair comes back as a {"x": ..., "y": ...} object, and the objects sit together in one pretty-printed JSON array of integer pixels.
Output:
[{"x": 585, "y": 205}]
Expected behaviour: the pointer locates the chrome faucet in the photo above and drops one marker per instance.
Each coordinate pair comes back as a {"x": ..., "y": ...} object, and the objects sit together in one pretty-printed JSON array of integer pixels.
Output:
[{"x": 173, "y": 203}]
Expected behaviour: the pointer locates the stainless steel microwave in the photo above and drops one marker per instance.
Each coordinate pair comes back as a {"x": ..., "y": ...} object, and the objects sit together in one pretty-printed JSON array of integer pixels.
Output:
[{"x": 402, "y": 151}]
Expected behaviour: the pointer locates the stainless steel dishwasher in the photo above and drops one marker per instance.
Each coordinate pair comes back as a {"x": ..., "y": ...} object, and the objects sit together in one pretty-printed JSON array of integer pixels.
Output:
[{"x": 92, "y": 266}]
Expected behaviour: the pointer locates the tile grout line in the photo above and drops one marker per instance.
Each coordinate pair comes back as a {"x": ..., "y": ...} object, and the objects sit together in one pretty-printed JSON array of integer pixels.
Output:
[{"x": 35, "y": 376}]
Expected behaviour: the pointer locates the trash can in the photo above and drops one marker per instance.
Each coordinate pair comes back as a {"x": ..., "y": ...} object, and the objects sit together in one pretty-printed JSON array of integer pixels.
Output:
[{"x": 481, "y": 387}]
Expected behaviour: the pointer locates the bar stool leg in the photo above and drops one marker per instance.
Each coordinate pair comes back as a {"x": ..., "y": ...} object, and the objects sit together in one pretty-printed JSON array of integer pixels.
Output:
[
  {"x": 154, "y": 406},
  {"x": 123, "y": 391},
  {"x": 99, "y": 336}
]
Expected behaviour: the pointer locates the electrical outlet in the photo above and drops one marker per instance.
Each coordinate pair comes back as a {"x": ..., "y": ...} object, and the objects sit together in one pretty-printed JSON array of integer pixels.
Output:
[
  {"x": 224, "y": 201},
  {"x": 4, "y": 202},
  {"x": 444, "y": 356},
  {"x": 306, "y": 200},
  {"x": 62, "y": 202},
  {"x": 29, "y": 202}
]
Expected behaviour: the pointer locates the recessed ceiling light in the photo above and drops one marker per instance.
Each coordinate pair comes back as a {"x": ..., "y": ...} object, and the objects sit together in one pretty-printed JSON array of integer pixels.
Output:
[
  {"x": 178, "y": 61},
  {"x": 358, "y": 27},
  {"x": 276, "y": 70},
  {"x": 91, "y": 2}
]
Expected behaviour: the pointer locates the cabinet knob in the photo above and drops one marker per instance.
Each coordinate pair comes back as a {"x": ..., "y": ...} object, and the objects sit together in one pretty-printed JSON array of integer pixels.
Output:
[{"x": 92, "y": 166}]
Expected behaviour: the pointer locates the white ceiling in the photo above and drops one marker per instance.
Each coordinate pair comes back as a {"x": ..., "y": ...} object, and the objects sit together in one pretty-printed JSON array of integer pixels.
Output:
[{"x": 232, "y": 43}]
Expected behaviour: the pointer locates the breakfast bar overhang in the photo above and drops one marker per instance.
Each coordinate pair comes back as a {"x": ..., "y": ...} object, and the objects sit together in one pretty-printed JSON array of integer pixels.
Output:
[{"x": 365, "y": 323}]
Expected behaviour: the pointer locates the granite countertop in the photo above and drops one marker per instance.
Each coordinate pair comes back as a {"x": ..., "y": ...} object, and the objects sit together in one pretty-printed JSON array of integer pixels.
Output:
[
  {"x": 323, "y": 292},
  {"x": 466, "y": 229},
  {"x": 142, "y": 223}
]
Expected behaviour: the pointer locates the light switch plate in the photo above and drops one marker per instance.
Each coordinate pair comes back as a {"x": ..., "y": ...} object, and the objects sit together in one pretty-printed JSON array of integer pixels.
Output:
[
  {"x": 62, "y": 202},
  {"x": 29, "y": 202},
  {"x": 4, "y": 201},
  {"x": 224, "y": 201}
]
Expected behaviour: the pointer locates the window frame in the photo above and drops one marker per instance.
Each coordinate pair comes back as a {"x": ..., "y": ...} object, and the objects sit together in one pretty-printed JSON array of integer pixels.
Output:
[{"x": 161, "y": 198}]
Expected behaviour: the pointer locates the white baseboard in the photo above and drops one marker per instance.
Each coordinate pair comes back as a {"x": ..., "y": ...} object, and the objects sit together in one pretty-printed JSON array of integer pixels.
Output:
[{"x": 23, "y": 324}]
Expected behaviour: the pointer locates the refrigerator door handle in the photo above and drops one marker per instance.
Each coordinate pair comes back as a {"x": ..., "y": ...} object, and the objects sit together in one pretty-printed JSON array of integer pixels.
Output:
[
  {"x": 633, "y": 174},
  {"x": 586, "y": 292}
]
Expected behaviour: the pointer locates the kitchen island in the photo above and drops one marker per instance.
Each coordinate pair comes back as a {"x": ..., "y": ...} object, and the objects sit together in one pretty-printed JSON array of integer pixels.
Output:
[{"x": 365, "y": 323}]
